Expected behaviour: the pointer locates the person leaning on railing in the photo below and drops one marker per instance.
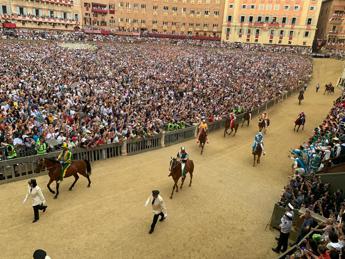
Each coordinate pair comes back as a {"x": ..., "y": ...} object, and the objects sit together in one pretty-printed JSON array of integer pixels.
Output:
[
  {"x": 11, "y": 152},
  {"x": 41, "y": 147}
]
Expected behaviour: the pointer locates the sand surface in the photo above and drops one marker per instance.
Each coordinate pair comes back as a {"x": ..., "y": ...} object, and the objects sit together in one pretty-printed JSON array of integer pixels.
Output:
[{"x": 223, "y": 215}]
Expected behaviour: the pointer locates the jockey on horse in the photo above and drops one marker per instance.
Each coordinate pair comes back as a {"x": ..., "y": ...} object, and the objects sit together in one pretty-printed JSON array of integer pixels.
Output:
[
  {"x": 258, "y": 140},
  {"x": 232, "y": 120},
  {"x": 65, "y": 159},
  {"x": 202, "y": 126},
  {"x": 183, "y": 156}
]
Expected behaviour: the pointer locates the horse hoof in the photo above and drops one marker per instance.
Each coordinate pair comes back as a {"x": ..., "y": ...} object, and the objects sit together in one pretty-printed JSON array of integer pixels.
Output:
[
  {"x": 89, "y": 186},
  {"x": 70, "y": 189},
  {"x": 55, "y": 197},
  {"x": 170, "y": 197}
]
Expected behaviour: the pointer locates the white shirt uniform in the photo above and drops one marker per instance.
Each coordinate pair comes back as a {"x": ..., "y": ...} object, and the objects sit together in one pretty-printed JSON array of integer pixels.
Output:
[
  {"x": 158, "y": 206},
  {"x": 36, "y": 195}
]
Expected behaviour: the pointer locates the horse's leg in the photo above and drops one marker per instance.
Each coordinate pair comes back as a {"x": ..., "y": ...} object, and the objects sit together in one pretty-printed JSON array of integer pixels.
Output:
[
  {"x": 176, "y": 186},
  {"x": 254, "y": 160},
  {"x": 76, "y": 177},
  {"x": 191, "y": 178},
  {"x": 173, "y": 191},
  {"x": 294, "y": 128},
  {"x": 57, "y": 189},
  {"x": 248, "y": 122},
  {"x": 258, "y": 161},
  {"x": 48, "y": 185},
  {"x": 224, "y": 132},
  {"x": 88, "y": 178},
  {"x": 302, "y": 126},
  {"x": 202, "y": 148},
  {"x": 182, "y": 181}
]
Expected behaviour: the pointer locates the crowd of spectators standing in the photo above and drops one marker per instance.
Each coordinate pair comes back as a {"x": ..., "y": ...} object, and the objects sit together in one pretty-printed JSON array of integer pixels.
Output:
[
  {"x": 130, "y": 88},
  {"x": 306, "y": 190}
]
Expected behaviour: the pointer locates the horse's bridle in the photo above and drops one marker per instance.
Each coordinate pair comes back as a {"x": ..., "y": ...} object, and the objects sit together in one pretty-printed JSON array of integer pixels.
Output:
[{"x": 171, "y": 167}]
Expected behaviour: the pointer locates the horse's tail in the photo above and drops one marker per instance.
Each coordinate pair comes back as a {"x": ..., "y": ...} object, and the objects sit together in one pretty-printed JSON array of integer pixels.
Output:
[{"x": 88, "y": 167}]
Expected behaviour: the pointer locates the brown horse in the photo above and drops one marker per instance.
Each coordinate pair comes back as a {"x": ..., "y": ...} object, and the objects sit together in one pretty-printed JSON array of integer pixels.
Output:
[
  {"x": 257, "y": 153},
  {"x": 176, "y": 172},
  {"x": 233, "y": 127},
  {"x": 299, "y": 122},
  {"x": 53, "y": 166},
  {"x": 202, "y": 139},
  {"x": 300, "y": 97},
  {"x": 263, "y": 124},
  {"x": 247, "y": 116}
]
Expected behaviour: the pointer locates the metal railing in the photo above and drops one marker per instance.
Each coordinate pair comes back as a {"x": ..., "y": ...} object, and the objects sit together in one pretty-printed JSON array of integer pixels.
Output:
[
  {"x": 138, "y": 146},
  {"x": 174, "y": 137}
]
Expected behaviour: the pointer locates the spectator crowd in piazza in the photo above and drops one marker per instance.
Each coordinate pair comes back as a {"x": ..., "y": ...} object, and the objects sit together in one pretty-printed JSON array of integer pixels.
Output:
[
  {"x": 121, "y": 90},
  {"x": 306, "y": 190}
]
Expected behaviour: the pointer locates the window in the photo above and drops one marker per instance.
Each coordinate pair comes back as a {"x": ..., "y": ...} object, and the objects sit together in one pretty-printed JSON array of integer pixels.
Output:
[
  {"x": 249, "y": 31},
  {"x": 51, "y": 13},
  {"x": 252, "y": 6},
  {"x": 286, "y": 7},
  {"x": 267, "y": 18},
  {"x": 244, "y": 6},
  {"x": 272, "y": 32},
  {"x": 143, "y": 6},
  {"x": 21, "y": 11},
  {"x": 216, "y": 13},
  {"x": 274, "y": 19},
  {"x": 259, "y": 19},
  {"x": 154, "y": 22},
  {"x": 291, "y": 34},
  {"x": 174, "y": 9},
  {"x": 64, "y": 15},
  {"x": 4, "y": 9},
  {"x": 165, "y": 8},
  {"x": 296, "y": 7},
  {"x": 37, "y": 12},
  {"x": 155, "y": 7},
  {"x": 242, "y": 19},
  {"x": 293, "y": 21},
  {"x": 229, "y": 18},
  {"x": 251, "y": 18},
  {"x": 309, "y": 21},
  {"x": 284, "y": 20},
  {"x": 231, "y": 6},
  {"x": 306, "y": 34},
  {"x": 281, "y": 33},
  {"x": 312, "y": 8},
  {"x": 257, "y": 31},
  {"x": 207, "y": 12},
  {"x": 76, "y": 17}
]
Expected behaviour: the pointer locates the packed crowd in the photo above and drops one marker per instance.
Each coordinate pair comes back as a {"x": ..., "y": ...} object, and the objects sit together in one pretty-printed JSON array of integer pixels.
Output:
[
  {"x": 92, "y": 97},
  {"x": 305, "y": 190},
  {"x": 78, "y": 36}
]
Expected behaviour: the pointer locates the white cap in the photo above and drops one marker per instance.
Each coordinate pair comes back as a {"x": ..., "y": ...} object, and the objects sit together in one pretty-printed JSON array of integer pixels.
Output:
[
  {"x": 290, "y": 206},
  {"x": 289, "y": 215}
]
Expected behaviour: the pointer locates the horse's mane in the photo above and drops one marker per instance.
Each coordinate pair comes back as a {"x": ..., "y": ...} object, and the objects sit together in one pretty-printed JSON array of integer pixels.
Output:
[{"x": 53, "y": 160}]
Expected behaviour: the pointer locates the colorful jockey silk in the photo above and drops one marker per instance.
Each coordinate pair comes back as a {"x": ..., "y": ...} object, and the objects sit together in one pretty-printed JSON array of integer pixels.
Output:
[
  {"x": 65, "y": 157},
  {"x": 258, "y": 139}
]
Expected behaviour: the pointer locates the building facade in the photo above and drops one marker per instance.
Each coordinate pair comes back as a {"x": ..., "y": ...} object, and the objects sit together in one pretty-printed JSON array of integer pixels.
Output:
[
  {"x": 284, "y": 22},
  {"x": 99, "y": 14},
  {"x": 331, "y": 25},
  {"x": 176, "y": 17},
  {"x": 40, "y": 14}
]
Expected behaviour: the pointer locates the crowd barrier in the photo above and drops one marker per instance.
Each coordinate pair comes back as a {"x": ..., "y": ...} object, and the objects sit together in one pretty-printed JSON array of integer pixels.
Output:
[{"x": 24, "y": 166}]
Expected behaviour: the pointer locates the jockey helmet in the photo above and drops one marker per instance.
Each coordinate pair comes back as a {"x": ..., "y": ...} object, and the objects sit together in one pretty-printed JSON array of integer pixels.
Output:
[
  {"x": 183, "y": 150},
  {"x": 64, "y": 145}
]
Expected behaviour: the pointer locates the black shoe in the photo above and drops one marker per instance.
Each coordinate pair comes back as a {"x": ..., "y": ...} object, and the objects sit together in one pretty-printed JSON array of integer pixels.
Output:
[
  {"x": 44, "y": 209},
  {"x": 35, "y": 220},
  {"x": 162, "y": 219},
  {"x": 275, "y": 250},
  {"x": 151, "y": 231}
]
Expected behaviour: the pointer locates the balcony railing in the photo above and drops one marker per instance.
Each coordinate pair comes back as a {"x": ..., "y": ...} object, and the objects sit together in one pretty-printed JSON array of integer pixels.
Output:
[
  {"x": 31, "y": 18},
  {"x": 99, "y": 10},
  {"x": 57, "y": 2}
]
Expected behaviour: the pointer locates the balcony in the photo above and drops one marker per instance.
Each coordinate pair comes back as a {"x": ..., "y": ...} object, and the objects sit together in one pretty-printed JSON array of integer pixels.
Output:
[
  {"x": 57, "y": 2},
  {"x": 99, "y": 10},
  {"x": 37, "y": 19},
  {"x": 273, "y": 25}
]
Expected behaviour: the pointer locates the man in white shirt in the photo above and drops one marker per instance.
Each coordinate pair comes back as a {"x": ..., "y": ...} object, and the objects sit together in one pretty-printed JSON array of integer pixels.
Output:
[
  {"x": 285, "y": 228},
  {"x": 158, "y": 207},
  {"x": 38, "y": 200}
]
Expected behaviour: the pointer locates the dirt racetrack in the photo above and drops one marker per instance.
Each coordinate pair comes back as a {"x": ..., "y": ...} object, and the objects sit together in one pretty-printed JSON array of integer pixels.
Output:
[{"x": 223, "y": 215}]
